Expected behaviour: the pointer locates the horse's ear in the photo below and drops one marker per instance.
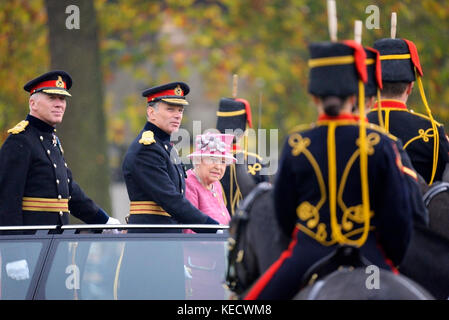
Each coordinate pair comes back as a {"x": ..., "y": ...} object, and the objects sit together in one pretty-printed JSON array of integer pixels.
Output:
[{"x": 445, "y": 176}]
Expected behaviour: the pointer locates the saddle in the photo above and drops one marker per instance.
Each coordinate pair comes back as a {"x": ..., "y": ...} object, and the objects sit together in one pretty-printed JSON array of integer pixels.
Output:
[{"x": 343, "y": 257}]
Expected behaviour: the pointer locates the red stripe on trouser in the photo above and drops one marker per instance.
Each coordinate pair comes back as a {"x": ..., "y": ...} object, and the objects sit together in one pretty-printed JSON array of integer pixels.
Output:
[
  {"x": 391, "y": 265},
  {"x": 271, "y": 271},
  {"x": 386, "y": 259}
]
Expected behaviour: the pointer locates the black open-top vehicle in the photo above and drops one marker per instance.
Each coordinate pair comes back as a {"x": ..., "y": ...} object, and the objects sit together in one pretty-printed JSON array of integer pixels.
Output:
[{"x": 81, "y": 262}]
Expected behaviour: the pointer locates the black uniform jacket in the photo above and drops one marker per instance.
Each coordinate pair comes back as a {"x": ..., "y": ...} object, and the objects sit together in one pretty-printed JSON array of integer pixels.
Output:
[
  {"x": 302, "y": 191},
  {"x": 154, "y": 177},
  {"x": 416, "y": 133},
  {"x": 36, "y": 185}
]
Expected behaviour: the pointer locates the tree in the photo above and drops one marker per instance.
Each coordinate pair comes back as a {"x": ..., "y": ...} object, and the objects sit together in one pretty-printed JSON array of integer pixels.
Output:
[
  {"x": 83, "y": 130},
  {"x": 22, "y": 30},
  {"x": 267, "y": 40}
]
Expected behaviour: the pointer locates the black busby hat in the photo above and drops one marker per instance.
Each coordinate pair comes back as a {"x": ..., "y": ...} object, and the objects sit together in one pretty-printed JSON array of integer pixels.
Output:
[
  {"x": 336, "y": 67},
  {"x": 399, "y": 58},
  {"x": 373, "y": 67},
  {"x": 53, "y": 82},
  {"x": 233, "y": 114},
  {"x": 171, "y": 93}
]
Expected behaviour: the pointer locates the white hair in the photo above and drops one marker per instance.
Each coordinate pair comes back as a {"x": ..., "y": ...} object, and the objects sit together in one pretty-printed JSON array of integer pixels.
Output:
[
  {"x": 34, "y": 97},
  {"x": 154, "y": 105}
]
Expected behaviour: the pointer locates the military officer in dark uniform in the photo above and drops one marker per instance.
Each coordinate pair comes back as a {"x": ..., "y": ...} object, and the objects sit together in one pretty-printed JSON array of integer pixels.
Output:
[
  {"x": 36, "y": 185},
  {"x": 154, "y": 177},
  {"x": 153, "y": 171},
  {"x": 339, "y": 181},
  {"x": 423, "y": 138},
  {"x": 234, "y": 116}
]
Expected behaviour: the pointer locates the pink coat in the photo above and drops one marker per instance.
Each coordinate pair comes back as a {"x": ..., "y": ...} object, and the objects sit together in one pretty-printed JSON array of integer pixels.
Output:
[{"x": 205, "y": 200}]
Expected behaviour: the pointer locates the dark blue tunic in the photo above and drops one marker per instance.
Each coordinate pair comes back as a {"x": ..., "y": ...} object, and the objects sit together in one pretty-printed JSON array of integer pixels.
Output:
[
  {"x": 153, "y": 172},
  {"x": 32, "y": 165},
  {"x": 416, "y": 133},
  {"x": 302, "y": 193}
]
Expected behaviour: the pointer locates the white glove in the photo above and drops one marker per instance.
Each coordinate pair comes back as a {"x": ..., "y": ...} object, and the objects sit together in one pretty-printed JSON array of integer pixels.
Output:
[
  {"x": 18, "y": 270},
  {"x": 112, "y": 221},
  {"x": 187, "y": 272}
]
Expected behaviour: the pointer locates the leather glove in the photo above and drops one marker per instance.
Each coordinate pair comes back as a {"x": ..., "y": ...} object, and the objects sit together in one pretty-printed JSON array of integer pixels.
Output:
[
  {"x": 18, "y": 270},
  {"x": 112, "y": 221}
]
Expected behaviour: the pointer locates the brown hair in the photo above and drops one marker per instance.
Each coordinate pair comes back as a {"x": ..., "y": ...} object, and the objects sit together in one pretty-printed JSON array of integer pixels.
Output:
[
  {"x": 393, "y": 89},
  {"x": 332, "y": 105}
]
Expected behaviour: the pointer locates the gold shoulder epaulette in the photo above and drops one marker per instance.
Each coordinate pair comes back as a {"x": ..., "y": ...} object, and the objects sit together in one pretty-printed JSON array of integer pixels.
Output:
[
  {"x": 380, "y": 129},
  {"x": 147, "y": 138},
  {"x": 302, "y": 127},
  {"x": 19, "y": 127}
]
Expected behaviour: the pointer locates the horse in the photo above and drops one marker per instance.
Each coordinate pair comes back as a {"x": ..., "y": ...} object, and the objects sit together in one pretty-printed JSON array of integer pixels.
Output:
[
  {"x": 350, "y": 284},
  {"x": 346, "y": 274},
  {"x": 436, "y": 200},
  {"x": 256, "y": 241}
]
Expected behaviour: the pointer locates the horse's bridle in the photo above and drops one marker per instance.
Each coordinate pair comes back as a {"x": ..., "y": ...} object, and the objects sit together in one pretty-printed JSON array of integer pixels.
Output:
[
  {"x": 435, "y": 189},
  {"x": 236, "y": 239}
]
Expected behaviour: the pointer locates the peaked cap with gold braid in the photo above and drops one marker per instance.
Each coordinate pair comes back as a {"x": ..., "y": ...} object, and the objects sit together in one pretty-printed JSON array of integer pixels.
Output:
[
  {"x": 172, "y": 93},
  {"x": 53, "y": 82}
]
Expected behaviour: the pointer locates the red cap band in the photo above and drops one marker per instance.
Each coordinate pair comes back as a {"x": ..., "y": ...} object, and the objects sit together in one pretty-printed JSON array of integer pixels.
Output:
[
  {"x": 171, "y": 92},
  {"x": 49, "y": 84}
]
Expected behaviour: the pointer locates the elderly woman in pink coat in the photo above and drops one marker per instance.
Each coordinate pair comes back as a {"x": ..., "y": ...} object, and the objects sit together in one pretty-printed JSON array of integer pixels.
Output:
[{"x": 203, "y": 189}]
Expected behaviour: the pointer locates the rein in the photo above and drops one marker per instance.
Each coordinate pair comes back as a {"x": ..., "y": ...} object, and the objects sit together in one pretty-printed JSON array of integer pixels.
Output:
[{"x": 436, "y": 188}]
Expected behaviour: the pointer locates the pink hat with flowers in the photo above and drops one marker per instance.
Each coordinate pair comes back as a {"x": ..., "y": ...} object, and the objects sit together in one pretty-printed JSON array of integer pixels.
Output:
[{"x": 213, "y": 145}]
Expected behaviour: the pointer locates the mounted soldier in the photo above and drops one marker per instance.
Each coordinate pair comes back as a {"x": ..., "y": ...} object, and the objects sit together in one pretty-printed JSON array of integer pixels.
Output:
[
  {"x": 373, "y": 88},
  {"x": 327, "y": 193},
  {"x": 234, "y": 116},
  {"x": 153, "y": 172},
  {"x": 423, "y": 138}
]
